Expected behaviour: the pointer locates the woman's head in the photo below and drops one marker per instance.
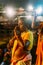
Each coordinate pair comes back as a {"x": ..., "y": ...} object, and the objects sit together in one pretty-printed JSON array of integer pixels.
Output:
[
  {"x": 20, "y": 23},
  {"x": 42, "y": 31}
]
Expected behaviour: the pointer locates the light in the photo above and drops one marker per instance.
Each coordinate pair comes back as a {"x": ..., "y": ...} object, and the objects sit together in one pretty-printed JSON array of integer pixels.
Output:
[
  {"x": 30, "y": 8},
  {"x": 39, "y": 10},
  {"x": 29, "y": 17},
  {"x": 39, "y": 18},
  {"x": 9, "y": 12},
  {"x": 20, "y": 11}
]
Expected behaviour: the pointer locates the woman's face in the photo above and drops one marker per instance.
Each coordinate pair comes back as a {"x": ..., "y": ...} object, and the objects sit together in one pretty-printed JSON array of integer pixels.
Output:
[{"x": 20, "y": 24}]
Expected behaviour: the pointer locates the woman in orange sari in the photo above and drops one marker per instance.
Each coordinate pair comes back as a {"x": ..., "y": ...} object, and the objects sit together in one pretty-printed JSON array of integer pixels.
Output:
[
  {"x": 39, "y": 51},
  {"x": 19, "y": 51}
]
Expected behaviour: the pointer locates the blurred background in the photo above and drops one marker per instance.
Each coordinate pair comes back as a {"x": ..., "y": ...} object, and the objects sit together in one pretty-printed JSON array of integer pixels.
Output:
[{"x": 30, "y": 10}]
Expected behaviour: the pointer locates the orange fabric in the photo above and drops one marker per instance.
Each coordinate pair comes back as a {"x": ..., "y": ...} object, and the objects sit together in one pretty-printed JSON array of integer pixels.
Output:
[
  {"x": 25, "y": 36},
  {"x": 17, "y": 51},
  {"x": 42, "y": 50},
  {"x": 39, "y": 51}
]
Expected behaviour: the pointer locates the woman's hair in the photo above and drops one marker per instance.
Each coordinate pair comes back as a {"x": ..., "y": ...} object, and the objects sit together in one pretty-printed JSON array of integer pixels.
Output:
[
  {"x": 42, "y": 31},
  {"x": 17, "y": 31}
]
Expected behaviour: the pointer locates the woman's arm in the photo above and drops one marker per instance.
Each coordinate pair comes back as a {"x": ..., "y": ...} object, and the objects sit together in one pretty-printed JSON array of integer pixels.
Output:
[{"x": 14, "y": 47}]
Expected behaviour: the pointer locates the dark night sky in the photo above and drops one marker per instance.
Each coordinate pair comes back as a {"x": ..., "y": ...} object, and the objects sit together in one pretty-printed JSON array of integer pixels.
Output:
[{"x": 22, "y": 3}]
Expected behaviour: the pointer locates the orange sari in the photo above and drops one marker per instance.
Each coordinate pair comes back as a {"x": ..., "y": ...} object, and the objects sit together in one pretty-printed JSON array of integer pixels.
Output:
[{"x": 39, "y": 51}]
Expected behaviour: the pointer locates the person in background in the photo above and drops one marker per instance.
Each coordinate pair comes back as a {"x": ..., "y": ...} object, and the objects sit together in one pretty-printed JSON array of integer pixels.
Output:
[
  {"x": 39, "y": 50},
  {"x": 7, "y": 56},
  {"x": 1, "y": 55}
]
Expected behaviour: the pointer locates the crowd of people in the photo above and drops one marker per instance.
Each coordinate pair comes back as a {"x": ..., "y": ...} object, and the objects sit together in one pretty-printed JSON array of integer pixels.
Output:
[{"x": 18, "y": 50}]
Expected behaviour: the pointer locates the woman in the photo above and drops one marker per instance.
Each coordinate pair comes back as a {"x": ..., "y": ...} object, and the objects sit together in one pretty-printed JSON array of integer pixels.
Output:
[
  {"x": 19, "y": 54},
  {"x": 39, "y": 51}
]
